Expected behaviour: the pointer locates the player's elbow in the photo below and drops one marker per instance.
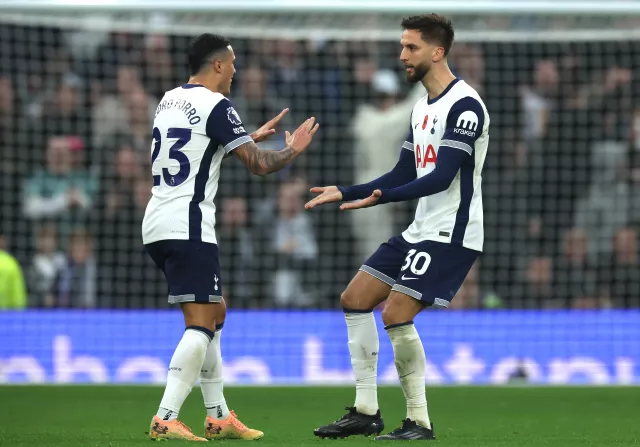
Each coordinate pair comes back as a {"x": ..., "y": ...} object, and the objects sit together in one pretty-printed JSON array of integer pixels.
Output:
[{"x": 260, "y": 171}]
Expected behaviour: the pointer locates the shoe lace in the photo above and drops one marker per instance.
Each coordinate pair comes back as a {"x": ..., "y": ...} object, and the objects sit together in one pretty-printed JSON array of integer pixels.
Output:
[
  {"x": 183, "y": 426},
  {"x": 401, "y": 428},
  {"x": 350, "y": 410},
  {"x": 236, "y": 422}
]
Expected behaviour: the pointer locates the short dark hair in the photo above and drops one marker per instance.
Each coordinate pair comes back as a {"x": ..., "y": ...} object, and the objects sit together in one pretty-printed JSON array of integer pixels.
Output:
[
  {"x": 202, "y": 48},
  {"x": 433, "y": 28}
]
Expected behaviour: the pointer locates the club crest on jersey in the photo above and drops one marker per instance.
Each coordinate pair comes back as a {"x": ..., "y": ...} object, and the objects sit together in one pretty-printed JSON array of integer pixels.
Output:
[
  {"x": 433, "y": 128},
  {"x": 233, "y": 116}
]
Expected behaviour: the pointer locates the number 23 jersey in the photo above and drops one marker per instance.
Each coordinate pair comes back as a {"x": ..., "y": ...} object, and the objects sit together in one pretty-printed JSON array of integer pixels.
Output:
[{"x": 193, "y": 129}]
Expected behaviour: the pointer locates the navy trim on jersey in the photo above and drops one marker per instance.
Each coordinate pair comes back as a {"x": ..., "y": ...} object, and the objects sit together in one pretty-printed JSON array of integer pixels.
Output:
[
  {"x": 446, "y": 90},
  {"x": 466, "y": 194},
  {"x": 187, "y": 86},
  {"x": 202, "y": 177}
]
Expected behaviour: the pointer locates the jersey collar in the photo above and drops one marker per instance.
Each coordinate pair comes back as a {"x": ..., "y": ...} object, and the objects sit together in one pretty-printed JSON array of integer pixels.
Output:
[
  {"x": 192, "y": 85},
  {"x": 446, "y": 90}
]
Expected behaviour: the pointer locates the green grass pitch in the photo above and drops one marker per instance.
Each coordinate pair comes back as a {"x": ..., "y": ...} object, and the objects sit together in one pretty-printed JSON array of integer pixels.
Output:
[{"x": 117, "y": 416}]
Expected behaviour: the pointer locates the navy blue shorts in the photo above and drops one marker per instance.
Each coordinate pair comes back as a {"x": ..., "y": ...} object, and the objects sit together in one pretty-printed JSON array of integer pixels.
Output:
[
  {"x": 429, "y": 271},
  {"x": 192, "y": 269}
]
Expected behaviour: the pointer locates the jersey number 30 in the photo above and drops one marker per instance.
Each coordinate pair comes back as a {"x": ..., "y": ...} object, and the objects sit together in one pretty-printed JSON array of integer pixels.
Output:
[
  {"x": 420, "y": 257},
  {"x": 183, "y": 136}
]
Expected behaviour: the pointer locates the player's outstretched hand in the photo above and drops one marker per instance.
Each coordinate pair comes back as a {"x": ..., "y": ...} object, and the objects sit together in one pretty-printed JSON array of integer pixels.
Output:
[
  {"x": 301, "y": 138},
  {"x": 268, "y": 129},
  {"x": 364, "y": 203},
  {"x": 328, "y": 194}
]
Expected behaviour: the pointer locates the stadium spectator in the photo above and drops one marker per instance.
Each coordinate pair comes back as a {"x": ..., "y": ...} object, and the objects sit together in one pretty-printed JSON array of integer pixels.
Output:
[
  {"x": 536, "y": 288},
  {"x": 59, "y": 193},
  {"x": 620, "y": 274},
  {"x": 158, "y": 66},
  {"x": 111, "y": 116},
  {"x": 538, "y": 101},
  {"x": 472, "y": 295},
  {"x": 257, "y": 105},
  {"x": 296, "y": 246},
  {"x": 238, "y": 254},
  {"x": 380, "y": 128},
  {"x": 75, "y": 285},
  {"x": 13, "y": 294},
  {"x": 45, "y": 267},
  {"x": 65, "y": 113},
  {"x": 574, "y": 277}
]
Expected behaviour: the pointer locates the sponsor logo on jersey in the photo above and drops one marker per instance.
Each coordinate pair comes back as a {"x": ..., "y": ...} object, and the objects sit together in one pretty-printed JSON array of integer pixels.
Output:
[
  {"x": 467, "y": 124},
  {"x": 233, "y": 116}
]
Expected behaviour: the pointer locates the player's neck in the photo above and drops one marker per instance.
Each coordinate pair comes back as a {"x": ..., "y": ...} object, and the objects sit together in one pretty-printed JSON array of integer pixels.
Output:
[
  {"x": 206, "y": 83},
  {"x": 437, "y": 80}
]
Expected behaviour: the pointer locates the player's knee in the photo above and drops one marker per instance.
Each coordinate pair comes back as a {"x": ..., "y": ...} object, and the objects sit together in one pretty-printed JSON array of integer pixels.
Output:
[
  {"x": 348, "y": 300},
  {"x": 391, "y": 314}
]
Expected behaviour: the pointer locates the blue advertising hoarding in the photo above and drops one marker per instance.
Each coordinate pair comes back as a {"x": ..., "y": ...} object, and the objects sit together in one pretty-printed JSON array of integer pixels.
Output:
[{"x": 309, "y": 347}]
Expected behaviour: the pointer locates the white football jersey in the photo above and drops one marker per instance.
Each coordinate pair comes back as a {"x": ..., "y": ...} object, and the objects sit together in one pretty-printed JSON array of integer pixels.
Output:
[
  {"x": 192, "y": 131},
  {"x": 458, "y": 119}
]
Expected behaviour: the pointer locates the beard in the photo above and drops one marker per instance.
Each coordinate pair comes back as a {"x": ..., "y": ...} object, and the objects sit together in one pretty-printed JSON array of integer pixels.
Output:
[{"x": 419, "y": 72}]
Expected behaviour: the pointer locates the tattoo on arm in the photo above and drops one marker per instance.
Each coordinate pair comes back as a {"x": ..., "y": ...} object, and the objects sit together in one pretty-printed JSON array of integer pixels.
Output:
[{"x": 263, "y": 162}]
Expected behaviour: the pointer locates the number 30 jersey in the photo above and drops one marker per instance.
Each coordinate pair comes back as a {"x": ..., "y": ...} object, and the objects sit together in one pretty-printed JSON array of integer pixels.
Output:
[
  {"x": 193, "y": 129},
  {"x": 456, "y": 119}
]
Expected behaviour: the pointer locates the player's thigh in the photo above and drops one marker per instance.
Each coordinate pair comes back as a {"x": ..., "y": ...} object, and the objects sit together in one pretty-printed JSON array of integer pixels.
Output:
[
  {"x": 220, "y": 312},
  {"x": 372, "y": 283},
  {"x": 364, "y": 292},
  {"x": 200, "y": 314},
  {"x": 401, "y": 308}
]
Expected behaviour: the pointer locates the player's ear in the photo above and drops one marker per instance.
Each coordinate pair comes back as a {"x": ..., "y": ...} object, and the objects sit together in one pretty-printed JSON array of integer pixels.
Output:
[
  {"x": 217, "y": 65},
  {"x": 438, "y": 54}
]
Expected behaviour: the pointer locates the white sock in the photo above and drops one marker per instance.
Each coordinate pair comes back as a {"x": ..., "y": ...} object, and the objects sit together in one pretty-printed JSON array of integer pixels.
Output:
[
  {"x": 183, "y": 372},
  {"x": 363, "y": 347},
  {"x": 410, "y": 363},
  {"x": 211, "y": 381}
]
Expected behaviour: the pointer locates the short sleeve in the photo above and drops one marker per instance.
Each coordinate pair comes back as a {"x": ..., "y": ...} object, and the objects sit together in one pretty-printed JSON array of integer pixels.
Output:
[
  {"x": 225, "y": 126},
  {"x": 464, "y": 125},
  {"x": 408, "y": 142}
]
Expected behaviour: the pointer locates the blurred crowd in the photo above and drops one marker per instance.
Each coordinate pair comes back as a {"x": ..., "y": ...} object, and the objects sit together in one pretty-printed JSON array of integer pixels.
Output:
[{"x": 561, "y": 182}]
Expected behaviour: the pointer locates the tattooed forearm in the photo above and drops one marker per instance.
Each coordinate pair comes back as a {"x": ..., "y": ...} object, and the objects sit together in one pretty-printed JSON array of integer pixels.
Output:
[{"x": 263, "y": 162}]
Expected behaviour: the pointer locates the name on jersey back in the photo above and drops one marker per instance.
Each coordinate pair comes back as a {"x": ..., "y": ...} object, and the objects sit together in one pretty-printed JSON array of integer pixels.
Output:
[{"x": 182, "y": 105}]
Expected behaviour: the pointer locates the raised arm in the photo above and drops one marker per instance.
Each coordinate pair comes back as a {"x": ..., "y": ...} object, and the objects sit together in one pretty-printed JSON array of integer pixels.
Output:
[
  {"x": 262, "y": 162},
  {"x": 225, "y": 127},
  {"x": 455, "y": 153},
  {"x": 403, "y": 172}
]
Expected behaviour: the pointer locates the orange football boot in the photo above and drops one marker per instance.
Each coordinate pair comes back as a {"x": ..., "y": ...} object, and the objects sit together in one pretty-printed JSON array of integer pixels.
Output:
[
  {"x": 229, "y": 428},
  {"x": 163, "y": 430}
]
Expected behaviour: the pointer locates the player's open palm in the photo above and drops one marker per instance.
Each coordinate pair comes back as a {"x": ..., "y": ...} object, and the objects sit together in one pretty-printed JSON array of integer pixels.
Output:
[
  {"x": 268, "y": 128},
  {"x": 301, "y": 138},
  {"x": 328, "y": 194}
]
